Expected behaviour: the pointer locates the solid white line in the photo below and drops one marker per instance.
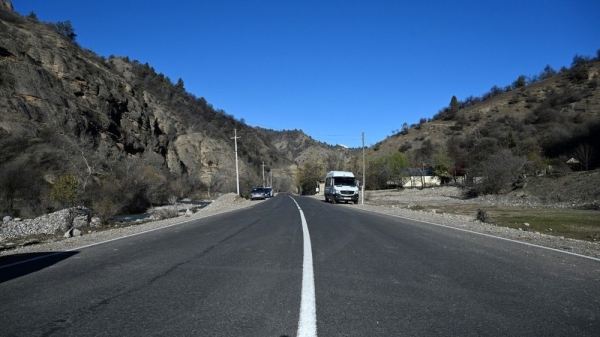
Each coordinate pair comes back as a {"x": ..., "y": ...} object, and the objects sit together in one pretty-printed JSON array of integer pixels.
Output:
[{"x": 307, "y": 324}]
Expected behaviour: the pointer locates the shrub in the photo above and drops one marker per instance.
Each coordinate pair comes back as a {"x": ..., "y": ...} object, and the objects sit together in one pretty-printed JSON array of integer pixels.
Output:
[
  {"x": 166, "y": 213},
  {"x": 65, "y": 29},
  {"x": 482, "y": 215},
  {"x": 106, "y": 208},
  {"x": 497, "y": 172},
  {"x": 405, "y": 147},
  {"x": 65, "y": 190}
]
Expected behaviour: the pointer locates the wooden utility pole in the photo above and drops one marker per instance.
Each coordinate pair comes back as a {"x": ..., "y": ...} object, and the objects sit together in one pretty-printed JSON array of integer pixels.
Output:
[
  {"x": 363, "y": 182},
  {"x": 237, "y": 174}
]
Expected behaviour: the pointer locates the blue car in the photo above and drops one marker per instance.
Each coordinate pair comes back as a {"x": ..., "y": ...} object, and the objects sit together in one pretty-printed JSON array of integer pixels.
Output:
[{"x": 269, "y": 192}]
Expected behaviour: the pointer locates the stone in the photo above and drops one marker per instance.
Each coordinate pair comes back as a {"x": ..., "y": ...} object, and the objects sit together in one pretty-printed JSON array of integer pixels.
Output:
[
  {"x": 72, "y": 233},
  {"x": 6, "y": 219}
]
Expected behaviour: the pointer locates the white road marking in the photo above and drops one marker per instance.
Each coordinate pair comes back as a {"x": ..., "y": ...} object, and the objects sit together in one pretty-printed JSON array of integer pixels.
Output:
[{"x": 307, "y": 323}]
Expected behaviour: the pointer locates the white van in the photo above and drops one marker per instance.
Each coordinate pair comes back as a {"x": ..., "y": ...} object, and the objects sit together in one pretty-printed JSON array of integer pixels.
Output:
[{"x": 341, "y": 186}]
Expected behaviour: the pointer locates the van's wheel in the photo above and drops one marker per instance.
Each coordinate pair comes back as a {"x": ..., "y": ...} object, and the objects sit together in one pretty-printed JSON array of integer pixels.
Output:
[{"x": 333, "y": 201}]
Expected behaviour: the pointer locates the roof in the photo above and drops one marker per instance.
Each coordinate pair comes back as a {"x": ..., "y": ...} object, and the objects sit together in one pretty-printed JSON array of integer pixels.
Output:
[{"x": 418, "y": 172}]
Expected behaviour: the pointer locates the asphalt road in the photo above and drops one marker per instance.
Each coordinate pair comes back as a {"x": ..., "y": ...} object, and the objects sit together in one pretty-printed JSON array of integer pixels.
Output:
[{"x": 241, "y": 274}]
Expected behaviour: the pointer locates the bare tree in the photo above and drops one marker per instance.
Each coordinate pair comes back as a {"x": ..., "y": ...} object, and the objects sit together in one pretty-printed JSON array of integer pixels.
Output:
[
  {"x": 82, "y": 157},
  {"x": 497, "y": 172},
  {"x": 585, "y": 153}
]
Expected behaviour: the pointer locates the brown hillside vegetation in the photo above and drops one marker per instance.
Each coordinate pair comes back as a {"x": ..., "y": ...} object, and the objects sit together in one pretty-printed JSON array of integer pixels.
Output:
[{"x": 531, "y": 127}]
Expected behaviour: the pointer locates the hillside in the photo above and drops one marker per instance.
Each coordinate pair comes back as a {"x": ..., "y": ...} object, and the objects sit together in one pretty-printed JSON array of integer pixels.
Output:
[
  {"x": 126, "y": 136},
  {"x": 531, "y": 127},
  {"x": 551, "y": 115}
]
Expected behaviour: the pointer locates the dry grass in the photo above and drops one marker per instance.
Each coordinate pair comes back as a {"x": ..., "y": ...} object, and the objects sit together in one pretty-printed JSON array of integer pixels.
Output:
[{"x": 569, "y": 223}]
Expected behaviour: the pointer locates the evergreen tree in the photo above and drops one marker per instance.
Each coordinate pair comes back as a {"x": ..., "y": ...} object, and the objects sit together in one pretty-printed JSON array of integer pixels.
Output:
[{"x": 65, "y": 29}]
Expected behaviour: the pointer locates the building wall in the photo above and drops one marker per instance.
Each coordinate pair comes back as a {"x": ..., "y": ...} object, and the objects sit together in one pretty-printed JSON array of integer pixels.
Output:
[{"x": 415, "y": 181}]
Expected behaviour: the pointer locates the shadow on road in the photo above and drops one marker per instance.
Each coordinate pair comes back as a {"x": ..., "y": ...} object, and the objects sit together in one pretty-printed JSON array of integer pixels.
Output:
[{"x": 17, "y": 265}]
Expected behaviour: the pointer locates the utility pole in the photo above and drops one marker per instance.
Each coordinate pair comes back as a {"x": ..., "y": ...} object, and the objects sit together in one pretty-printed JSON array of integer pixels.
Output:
[
  {"x": 237, "y": 174},
  {"x": 363, "y": 182},
  {"x": 263, "y": 169}
]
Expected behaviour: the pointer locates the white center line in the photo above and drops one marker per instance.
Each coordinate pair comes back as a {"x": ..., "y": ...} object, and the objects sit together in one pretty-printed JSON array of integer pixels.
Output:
[{"x": 307, "y": 324}]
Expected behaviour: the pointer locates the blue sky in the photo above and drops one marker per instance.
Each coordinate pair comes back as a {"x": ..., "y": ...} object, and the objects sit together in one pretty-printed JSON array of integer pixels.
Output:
[{"x": 334, "y": 69}]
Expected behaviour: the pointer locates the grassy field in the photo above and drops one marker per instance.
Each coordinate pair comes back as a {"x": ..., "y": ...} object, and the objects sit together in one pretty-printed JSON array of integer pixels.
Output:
[{"x": 569, "y": 223}]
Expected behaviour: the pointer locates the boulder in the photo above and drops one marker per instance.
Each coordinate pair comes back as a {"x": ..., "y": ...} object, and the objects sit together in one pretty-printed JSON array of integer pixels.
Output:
[
  {"x": 72, "y": 233},
  {"x": 6, "y": 219}
]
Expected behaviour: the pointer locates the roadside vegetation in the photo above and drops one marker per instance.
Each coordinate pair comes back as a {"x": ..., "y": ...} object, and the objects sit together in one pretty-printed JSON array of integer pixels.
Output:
[{"x": 569, "y": 223}]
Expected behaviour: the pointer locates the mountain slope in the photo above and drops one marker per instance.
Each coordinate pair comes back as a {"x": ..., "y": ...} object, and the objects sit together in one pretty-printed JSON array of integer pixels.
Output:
[
  {"x": 114, "y": 123},
  {"x": 549, "y": 119}
]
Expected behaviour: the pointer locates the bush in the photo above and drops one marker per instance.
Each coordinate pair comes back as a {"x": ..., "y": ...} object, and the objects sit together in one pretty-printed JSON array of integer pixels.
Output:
[
  {"x": 482, "y": 215},
  {"x": 106, "y": 208},
  {"x": 405, "y": 147},
  {"x": 497, "y": 172},
  {"x": 166, "y": 213},
  {"x": 65, "y": 29},
  {"x": 65, "y": 190}
]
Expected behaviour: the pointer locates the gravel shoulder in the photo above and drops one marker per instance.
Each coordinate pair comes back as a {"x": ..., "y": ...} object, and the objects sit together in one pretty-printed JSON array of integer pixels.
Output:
[
  {"x": 384, "y": 202},
  {"x": 225, "y": 203}
]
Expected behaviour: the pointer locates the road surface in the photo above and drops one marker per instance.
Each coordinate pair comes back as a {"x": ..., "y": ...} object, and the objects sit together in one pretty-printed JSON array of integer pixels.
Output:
[{"x": 245, "y": 273}]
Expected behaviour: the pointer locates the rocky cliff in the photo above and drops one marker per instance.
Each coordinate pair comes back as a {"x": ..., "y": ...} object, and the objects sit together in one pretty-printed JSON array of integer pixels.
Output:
[
  {"x": 66, "y": 110},
  {"x": 49, "y": 84}
]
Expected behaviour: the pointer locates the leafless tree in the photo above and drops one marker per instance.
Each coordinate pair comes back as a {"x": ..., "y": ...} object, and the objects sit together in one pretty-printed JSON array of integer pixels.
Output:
[
  {"x": 497, "y": 172},
  {"x": 82, "y": 158},
  {"x": 585, "y": 153}
]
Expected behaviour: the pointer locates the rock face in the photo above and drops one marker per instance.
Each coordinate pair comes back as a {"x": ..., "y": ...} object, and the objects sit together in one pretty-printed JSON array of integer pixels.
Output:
[
  {"x": 7, "y": 4},
  {"x": 50, "y": 85}
]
